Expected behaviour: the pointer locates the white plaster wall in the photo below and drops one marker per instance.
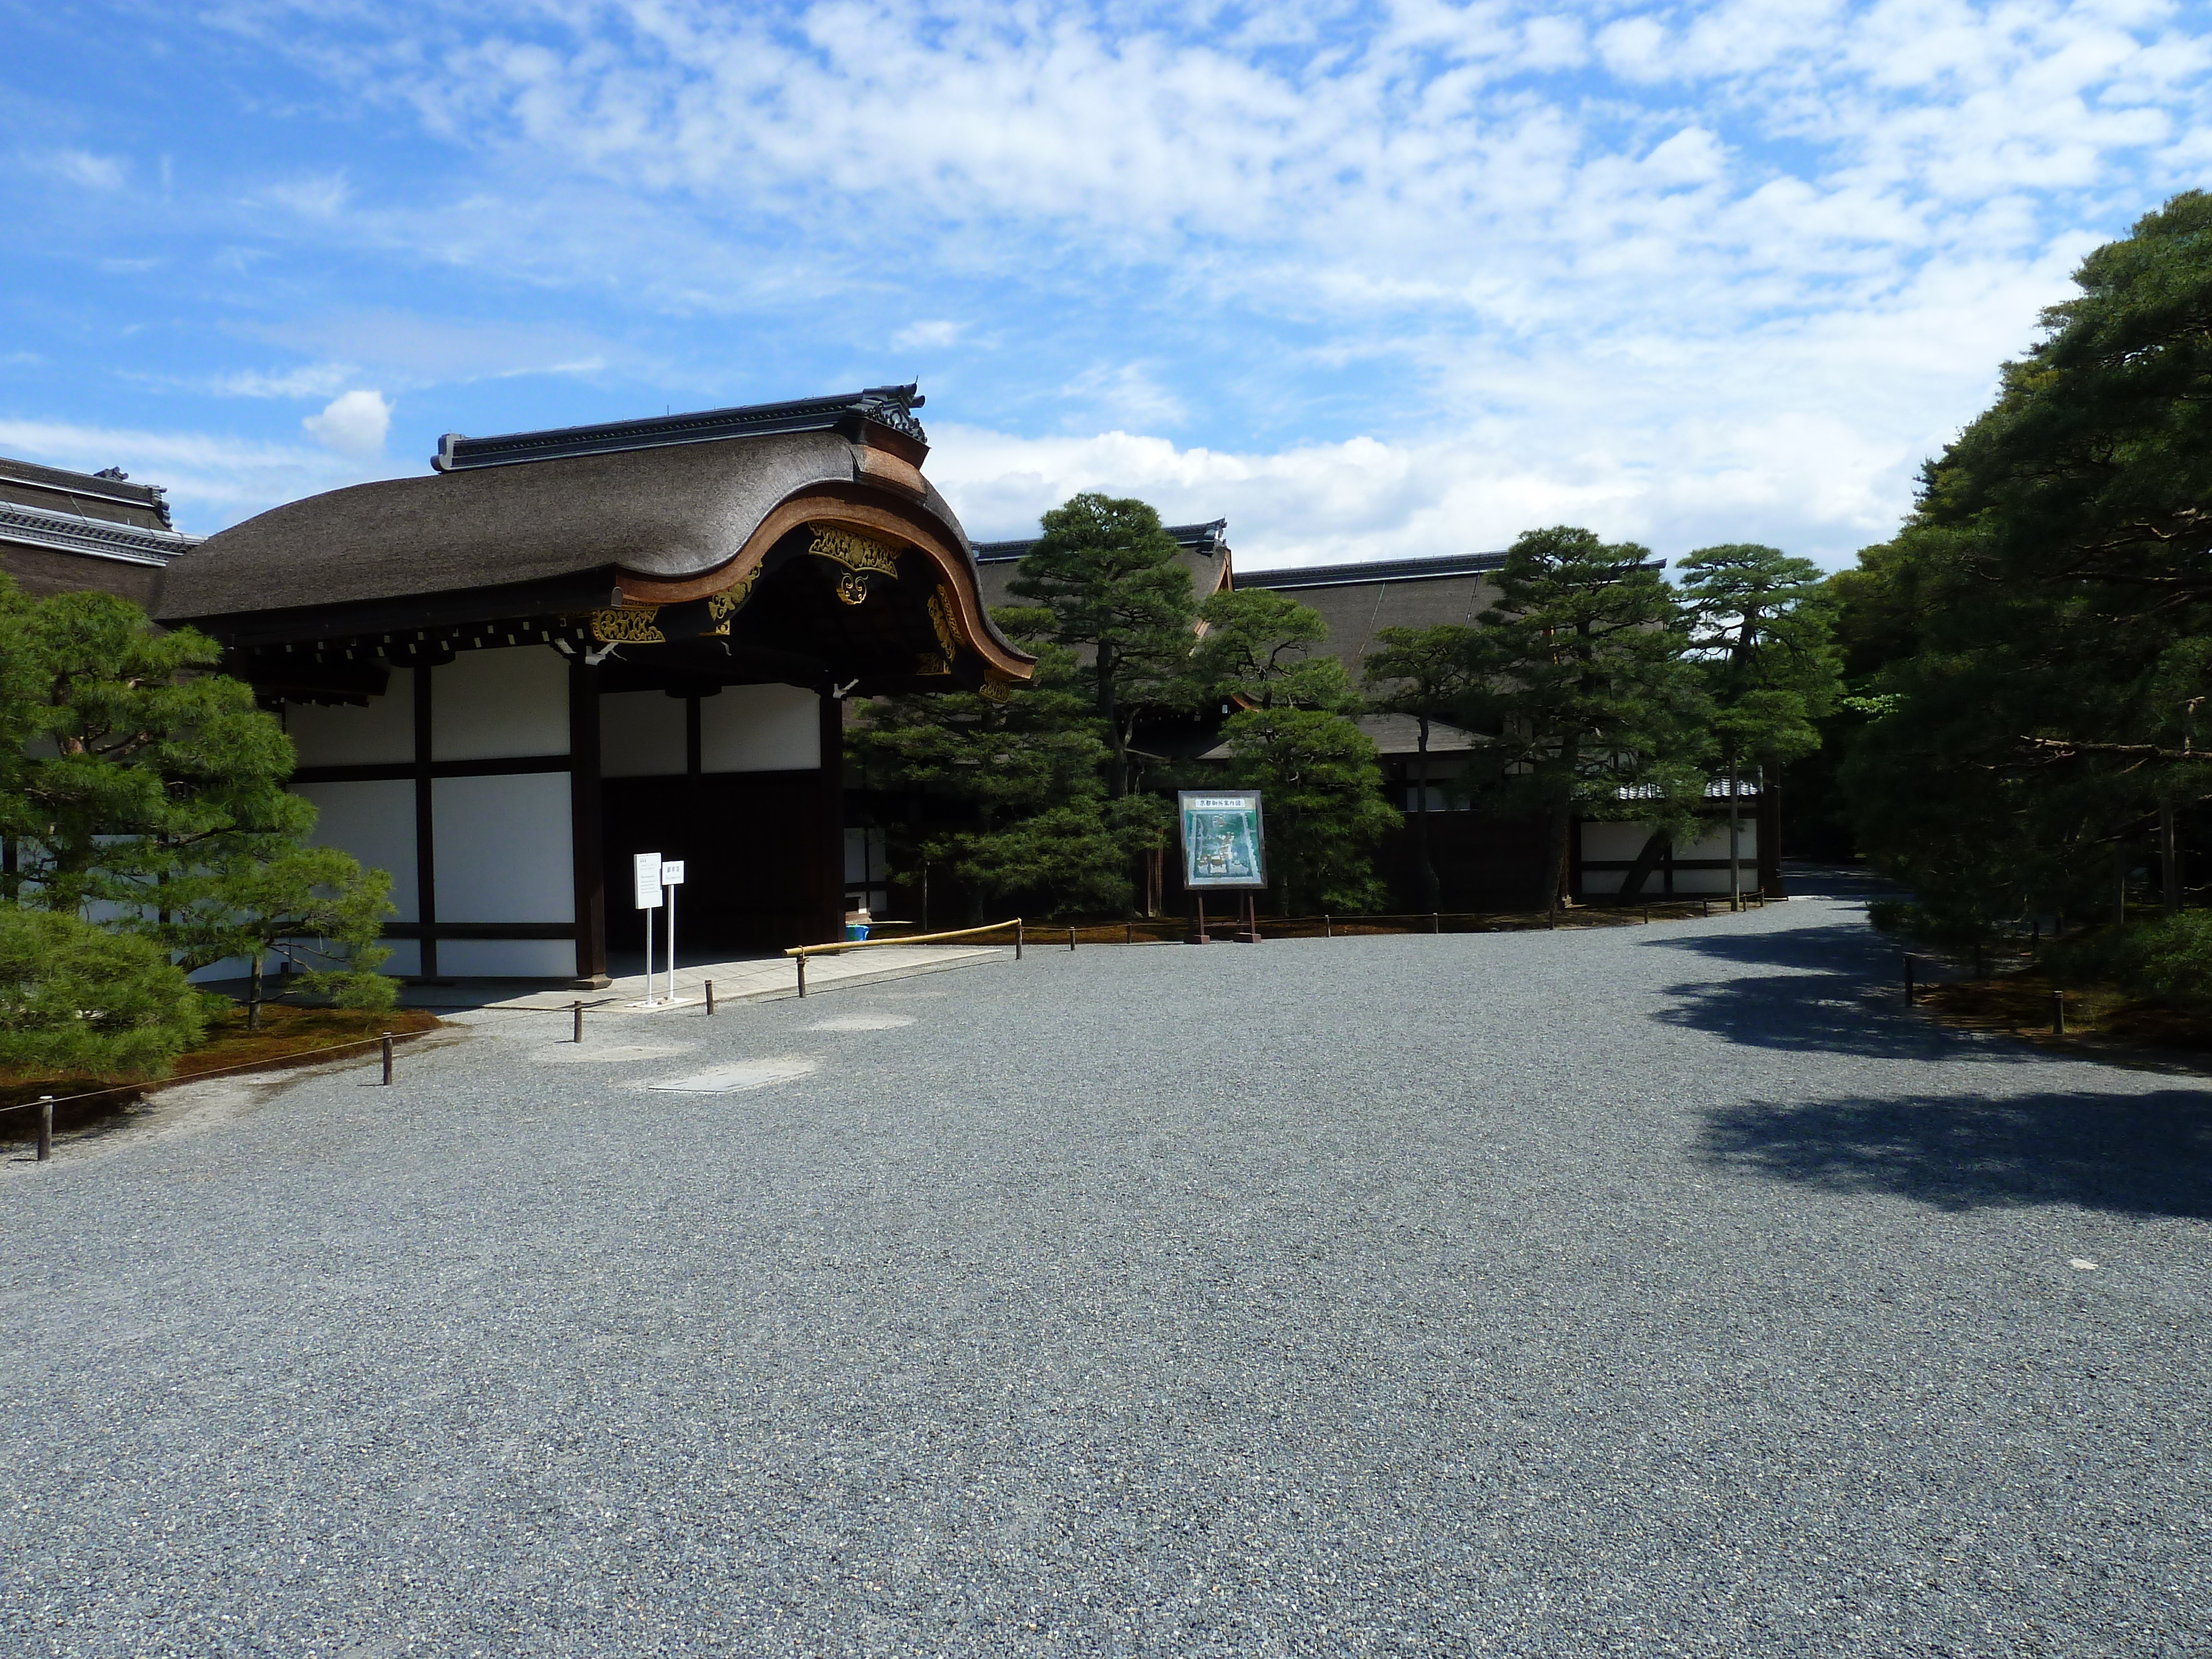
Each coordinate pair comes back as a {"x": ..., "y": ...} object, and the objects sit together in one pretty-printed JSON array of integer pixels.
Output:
[
  {"x": 641, "y": 734},
  {"x": 503, "y": 850},
  {"x": 375, "y": 822},
  {"x": 506, "y": 958},
  {"x": 1614, "y": 839},
  {"x": 760, "y": 728},
  {"x": 494, "y": 705},
  {"x": 1714, "y": 843},
  {"x": 406, "y": 958},
  {"x": 381, "y": 735}
]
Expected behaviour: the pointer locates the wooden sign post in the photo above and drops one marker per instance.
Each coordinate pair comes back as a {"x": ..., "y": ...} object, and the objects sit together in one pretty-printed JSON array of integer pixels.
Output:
[{"x": 1223, "y": 846}]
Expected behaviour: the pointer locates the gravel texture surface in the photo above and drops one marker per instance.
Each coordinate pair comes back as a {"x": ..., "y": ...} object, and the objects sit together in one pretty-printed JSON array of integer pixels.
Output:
[{"x": 1661, "y": 1290}]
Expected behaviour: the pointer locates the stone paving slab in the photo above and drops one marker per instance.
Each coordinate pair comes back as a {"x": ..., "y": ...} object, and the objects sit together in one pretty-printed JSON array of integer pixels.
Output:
[{"x": 749, "y": 979}]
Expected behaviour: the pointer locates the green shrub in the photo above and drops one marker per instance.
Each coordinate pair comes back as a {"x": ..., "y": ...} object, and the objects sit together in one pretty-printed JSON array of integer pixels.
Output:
[
  {"x": 77, "y": 1000},
  {"x": 2169, "y": 960}
]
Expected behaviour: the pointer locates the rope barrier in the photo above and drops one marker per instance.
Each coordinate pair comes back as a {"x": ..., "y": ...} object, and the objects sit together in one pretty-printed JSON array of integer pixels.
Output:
[
  {"x": 802, "y": 952},
  {"x": 270, "y": 1064}
]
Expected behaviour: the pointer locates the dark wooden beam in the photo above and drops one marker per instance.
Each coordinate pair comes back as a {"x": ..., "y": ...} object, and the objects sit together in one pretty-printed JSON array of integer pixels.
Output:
[
  {"x": 426, "y": 840},
  {"x": 584, "y": 827},
  {"x": 378, "y": 771},
  {"x": 831, "y": 876}
]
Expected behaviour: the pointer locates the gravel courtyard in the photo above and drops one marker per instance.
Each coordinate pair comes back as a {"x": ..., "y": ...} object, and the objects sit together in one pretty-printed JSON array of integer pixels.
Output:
[{"x": 1653, "y": 1291}]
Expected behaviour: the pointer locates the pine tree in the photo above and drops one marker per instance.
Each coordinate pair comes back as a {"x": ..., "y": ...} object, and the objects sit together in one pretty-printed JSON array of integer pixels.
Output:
[
  {"x": 1422, "y": 673},
  {"x": 146, "y": 785},
  {"x": 1759, "y": 625},
  {"x": 2052, "y": 584},
  {"x": 1580, "y": 665},
  {"x": 1107, "y": 571}
]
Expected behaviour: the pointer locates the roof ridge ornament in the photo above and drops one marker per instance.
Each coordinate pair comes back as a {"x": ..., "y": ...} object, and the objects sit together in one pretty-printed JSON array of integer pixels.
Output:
[{"x": 889, "y": 406}]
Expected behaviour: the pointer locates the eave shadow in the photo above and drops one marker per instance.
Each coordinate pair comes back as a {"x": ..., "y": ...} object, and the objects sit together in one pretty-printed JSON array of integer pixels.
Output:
[{"x": 2147, "y": 1155}]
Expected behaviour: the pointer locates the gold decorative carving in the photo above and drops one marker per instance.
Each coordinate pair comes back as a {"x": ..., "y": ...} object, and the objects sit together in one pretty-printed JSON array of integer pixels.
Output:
[
  {"x": 863, "y": 556},
  {"x": 721, "y": 606},
  {"x": 628, "y": 627},
  {"x": 940, "y": 661},
  {"x": 996, "y": 691}
]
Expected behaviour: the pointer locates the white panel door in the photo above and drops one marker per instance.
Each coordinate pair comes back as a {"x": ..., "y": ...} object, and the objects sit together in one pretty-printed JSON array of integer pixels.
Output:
[
  {"x": 503, "y": 850},
  {"x": 497, "y": 705},
  {"x": 761, "y": 728}
]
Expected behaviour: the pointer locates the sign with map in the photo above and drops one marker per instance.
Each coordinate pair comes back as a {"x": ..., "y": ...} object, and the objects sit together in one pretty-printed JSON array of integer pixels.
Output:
[{"x": 1223, "y": 842}]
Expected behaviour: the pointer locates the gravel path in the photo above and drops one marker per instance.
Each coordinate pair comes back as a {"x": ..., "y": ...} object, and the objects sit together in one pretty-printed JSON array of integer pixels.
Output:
[{"x": 1653, "y": 1291}]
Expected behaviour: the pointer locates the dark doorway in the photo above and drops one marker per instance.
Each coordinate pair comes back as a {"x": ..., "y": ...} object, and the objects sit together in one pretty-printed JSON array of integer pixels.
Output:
[{"x": 763, "y": 858}]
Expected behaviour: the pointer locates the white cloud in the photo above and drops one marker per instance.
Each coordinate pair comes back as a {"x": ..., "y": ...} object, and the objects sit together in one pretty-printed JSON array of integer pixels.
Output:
[
  {"x": 307, "y": 380},
  {"x": 932, "y": 336},
  {"x": 319, "y": 197},
  {"x": 80, "y": 166},
  {"x": 1127, "y": 394},
  {"x": 1716, "y": 269},
  {"x": 419, "y": 350},
  {"x": 213, "y": 478},
  {"x": 354, "y": 423}
]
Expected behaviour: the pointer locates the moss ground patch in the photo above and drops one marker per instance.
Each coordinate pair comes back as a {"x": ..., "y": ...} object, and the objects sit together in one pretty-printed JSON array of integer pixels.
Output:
[
  {"x": 286, "y": 1034},
  {"x": 2021, "y": 1003}
]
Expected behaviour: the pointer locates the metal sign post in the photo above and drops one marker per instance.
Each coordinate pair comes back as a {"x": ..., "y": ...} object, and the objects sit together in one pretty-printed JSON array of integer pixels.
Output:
[
  {"x": 672, "y": 878},
  {"x": 645, "y": 876}
]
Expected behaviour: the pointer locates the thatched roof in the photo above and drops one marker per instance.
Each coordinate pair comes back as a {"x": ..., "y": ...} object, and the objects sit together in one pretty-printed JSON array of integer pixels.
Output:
[{"x": 668, "y": 515}]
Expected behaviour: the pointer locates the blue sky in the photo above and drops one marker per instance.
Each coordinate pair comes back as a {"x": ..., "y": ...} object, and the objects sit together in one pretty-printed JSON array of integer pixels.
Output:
[{"x": 1371, "y": 281}]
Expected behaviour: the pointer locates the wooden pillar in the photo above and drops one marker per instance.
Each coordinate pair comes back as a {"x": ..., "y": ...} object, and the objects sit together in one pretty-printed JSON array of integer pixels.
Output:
[
  {"x": 426, "y": 838},
  {"x": 830, "y": 922},
  {"x": 586, "y": 828},
  {"x": 1770, "y": 839}
]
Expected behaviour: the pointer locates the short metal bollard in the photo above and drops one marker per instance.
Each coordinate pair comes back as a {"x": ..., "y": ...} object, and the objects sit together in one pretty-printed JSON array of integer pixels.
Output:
[
  {"x": 1129, "y": 933},
  {"x": 387, "y": 1060},
  {"x": 801, "y": 961},
  {"x": 1071, "y": 939},
  {"x": 1647, "y": 915},
  {"x": 1017, "y": 941},
  {"x": 579, "y": 1035},
  {"x": 45, "y": 1128},
  {"x": 1706, "y": 905},
  {"x": 1908, "y": 981},
  {"x": 710, "y": 997},
  {"x": 1328, "y": 927},
  {"x": 1435, "y": 922},
  {"x": 2058, "y": 1013}
]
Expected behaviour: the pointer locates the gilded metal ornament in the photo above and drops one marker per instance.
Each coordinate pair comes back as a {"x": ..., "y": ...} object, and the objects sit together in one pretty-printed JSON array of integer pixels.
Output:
[
  {"x": 721, "y": 606},
  {"x": 861, "y": 555},
  {"x": 628, "y": 626}
]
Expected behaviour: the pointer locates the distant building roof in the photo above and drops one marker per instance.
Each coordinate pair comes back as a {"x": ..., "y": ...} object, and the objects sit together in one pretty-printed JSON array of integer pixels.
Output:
[
  {"x": 888, "y": 406},
  {"x": 1434, "y": 567},
  {"x": 72, "y": 532},
  {"x": 101, "y": 538},
  {"x": 1358, "y": 600},
  {"x": 107, "y": 495},
  {"x": 1209, "y": 538},
  {"x": 1204, "y": 554}
]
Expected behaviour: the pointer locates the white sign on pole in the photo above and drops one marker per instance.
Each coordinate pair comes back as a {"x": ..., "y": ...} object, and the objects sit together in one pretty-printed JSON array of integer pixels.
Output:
[
  {"x": 646, "y": 868},
  {"x": 671, "y": 872}
]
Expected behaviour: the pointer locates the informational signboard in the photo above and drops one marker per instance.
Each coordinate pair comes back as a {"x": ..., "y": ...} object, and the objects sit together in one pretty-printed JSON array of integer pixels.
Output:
[
  {"x": 1223, "y": 841},
  {"x": 671, "y": 872},
  {"x": 645, "y": 868}
]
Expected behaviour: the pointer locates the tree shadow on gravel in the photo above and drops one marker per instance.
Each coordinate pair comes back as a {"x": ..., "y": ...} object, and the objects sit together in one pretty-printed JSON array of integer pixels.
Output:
[
  {"x": 1829, "y": 999},
  {"x": 2135, "y": 1154}
]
